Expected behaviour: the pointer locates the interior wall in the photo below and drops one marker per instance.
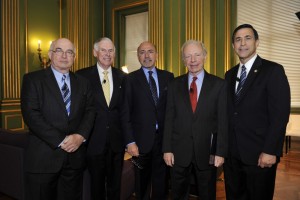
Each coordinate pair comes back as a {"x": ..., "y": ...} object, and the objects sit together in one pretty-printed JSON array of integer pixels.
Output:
[{"x": 171, "y": 23}]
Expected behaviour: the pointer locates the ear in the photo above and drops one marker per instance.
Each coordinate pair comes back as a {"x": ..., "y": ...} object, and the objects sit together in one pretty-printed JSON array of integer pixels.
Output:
[
  {"x": 257, "y": 43},
  {"x": 95, "y": 53}
]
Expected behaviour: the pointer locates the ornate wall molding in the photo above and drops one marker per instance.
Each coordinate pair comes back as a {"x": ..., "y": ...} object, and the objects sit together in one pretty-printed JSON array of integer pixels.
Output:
[
  {"x": 78, "y": 31},
  {"x": 156, "y": 29},
  {"x": 10, "y": 61}
]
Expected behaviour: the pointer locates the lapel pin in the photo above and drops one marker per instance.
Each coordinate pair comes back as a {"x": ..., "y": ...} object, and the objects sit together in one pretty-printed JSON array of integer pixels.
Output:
[{"x": 255, "y": 71}]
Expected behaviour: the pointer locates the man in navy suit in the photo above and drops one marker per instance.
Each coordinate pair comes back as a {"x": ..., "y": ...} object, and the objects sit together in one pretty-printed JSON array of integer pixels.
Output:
[
  {"x": 195, "y": 137},
  {"x": 259, "y": 108},
  {"x": 105, "y": 145},
  {"x": 57, "y": 106},
  {"x": 145, "y": 98}
]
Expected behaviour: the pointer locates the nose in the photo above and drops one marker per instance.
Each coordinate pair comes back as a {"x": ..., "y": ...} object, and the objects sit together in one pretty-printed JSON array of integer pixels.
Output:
[
  {"x": 243, "y": 41},
  {"x": 64, "y": 54},
  {"x": 193, "y": 58}
]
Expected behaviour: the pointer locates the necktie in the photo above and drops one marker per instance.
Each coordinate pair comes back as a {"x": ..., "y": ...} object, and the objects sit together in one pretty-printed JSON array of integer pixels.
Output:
[
  {"x": 66, "y": 94},
  {"x": 105, "y": 87},
  {"x": 153, "y": 87},
  {"x": 241, "y": 83},
  {"x": 193, "y": 94}
]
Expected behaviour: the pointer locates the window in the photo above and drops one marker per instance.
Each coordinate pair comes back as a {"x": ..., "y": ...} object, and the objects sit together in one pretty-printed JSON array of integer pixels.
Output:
[
  {"x": 279, "y": 31},
  {"x": 136, "y": 33}
]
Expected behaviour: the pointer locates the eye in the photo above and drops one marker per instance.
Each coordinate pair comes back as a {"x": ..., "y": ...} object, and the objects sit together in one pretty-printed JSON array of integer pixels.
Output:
[
  {"x": 187, "y": 57},
  {"x": 58, "y": 50},
  {"x": 69, "y": 52},
  {"x": 237, "y": 39}
]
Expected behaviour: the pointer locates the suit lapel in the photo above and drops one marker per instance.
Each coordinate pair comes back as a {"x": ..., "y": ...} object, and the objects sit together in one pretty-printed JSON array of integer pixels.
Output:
[
  {"x": 232, "y": 83},
  {"x": 141, "y": 77},
  {"x": 74, "y": 93},
  {"x": 205, "y": 89},
  {"x": 255, "y": 69},
  {"x": 184, "y": 90},
  {"x": 116, "y": 85},
  {"x": 51, "y": 83}
]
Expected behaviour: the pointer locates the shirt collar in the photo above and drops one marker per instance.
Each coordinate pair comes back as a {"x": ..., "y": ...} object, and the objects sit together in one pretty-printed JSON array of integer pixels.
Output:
[
  {"x": 249, "y": 64},
  {"x": 101, "y": 70},
  {"x": 146, "y": 70}
]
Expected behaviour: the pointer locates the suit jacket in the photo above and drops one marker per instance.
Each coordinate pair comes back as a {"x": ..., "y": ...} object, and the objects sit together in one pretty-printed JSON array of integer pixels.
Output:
[
  {"x": 45, "y": 114},
  {"x": 142, "y": 114},
  {"x": 258, "y": 122},
  {"x": 107, "y": 126},
  {"x": 188, "y": 135}
]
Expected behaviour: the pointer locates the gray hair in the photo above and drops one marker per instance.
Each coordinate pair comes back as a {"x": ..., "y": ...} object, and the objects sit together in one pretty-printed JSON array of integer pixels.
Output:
[
  {"x": 195, "y": 42},
  {"x": 96, "y": 46}
]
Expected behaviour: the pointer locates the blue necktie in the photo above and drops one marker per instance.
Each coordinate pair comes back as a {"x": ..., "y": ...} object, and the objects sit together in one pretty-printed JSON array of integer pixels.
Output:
[
  {"x": 66, "y": 94},
  {"x": 241, "y": 83},
  {"x": 153, "y": 87}
]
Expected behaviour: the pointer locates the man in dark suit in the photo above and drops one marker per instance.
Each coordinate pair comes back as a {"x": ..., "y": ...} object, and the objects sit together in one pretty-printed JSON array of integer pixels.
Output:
[
  {"x": 145, "y": 97},
  {"x": 57, "y": 106},
  {"x": 195, "y": 137},
  {"x": 105, "y": 145},
  {"x": 259, "y": 108}
]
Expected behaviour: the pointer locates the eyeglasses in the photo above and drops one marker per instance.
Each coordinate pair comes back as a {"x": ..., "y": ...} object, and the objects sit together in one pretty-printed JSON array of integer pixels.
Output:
[{"x": 60, "y": 52}]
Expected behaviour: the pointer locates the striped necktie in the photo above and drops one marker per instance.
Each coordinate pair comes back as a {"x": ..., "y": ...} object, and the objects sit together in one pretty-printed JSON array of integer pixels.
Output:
[
  {"x": 153, "y": 87},
  {"x": 66, "y": 94},
  {"x": 241, "y": 83}
]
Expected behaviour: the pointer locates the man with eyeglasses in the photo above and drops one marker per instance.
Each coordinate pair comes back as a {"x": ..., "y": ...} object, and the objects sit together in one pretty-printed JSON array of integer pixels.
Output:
[
  {"x": 105, "y": 146},
  {"x": 57, "y": 106}
]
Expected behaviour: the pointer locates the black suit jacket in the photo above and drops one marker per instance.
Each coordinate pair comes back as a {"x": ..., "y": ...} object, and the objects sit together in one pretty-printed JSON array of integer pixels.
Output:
[
  {"x": 142, "y": 112},
  {"x": 107, "y": 126},
  {"x": 188, "y": 134},
  {"x": 45, "y": 114},
  {"x": 258, "y": 122}
]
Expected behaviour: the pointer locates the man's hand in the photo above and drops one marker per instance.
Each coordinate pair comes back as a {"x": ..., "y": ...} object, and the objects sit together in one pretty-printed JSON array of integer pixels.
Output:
[
  {"x": 133, "y": 149},
  {"x": 169, "y": 159},
  {"x": 72, "y": 142},
  {"x": 266, "y": 160},
  {"x": 219, "y": 161}
]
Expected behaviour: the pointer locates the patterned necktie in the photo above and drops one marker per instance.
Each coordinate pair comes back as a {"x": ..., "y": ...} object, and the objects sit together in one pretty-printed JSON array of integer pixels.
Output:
[
  {"x": 193, "y": 94},
  {"x": 66, "y": 94},
  {"x": 241, "y": 83},
  {"x": 106, "y": 87},
  {"x": 153, "y": 87}
]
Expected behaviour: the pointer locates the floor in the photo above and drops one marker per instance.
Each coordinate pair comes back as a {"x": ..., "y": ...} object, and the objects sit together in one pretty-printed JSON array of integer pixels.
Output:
[{"x": 287, "y": 182}]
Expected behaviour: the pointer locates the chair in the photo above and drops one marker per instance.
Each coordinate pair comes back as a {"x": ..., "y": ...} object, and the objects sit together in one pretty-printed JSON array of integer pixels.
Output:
[{"x": 292, "y": 129}]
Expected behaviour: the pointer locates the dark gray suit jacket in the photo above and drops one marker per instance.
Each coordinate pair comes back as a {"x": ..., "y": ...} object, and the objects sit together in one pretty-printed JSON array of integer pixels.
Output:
[
  {"x": 142, "y": 112},
  {"x": 107, "y": 126},
  {"x": 45, "y": 114},
  {"x": 258, "y": 122},
  {"x": 188, "y": 134}
]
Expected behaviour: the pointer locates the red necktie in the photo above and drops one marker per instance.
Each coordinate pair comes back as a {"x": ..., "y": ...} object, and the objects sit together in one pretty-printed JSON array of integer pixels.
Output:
[{"x": 193, "y": 94}]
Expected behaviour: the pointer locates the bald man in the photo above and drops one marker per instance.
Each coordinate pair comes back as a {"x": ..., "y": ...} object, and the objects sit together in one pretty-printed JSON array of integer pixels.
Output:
[{"x": 145, "y": 96}]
